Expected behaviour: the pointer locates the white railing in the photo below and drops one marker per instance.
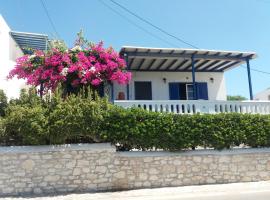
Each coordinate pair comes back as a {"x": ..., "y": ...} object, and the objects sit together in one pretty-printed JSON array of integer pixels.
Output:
[{"x": 198, "y": 106}]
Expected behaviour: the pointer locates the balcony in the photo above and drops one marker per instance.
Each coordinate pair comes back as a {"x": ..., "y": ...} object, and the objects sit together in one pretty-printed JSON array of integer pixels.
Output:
[{"x": 198, "y": 106}]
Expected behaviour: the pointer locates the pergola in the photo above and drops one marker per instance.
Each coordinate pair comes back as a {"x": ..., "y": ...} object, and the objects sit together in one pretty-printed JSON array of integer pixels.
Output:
[
  {"x": 185, "y": 60},
  {"x": 30, "y": 40}
]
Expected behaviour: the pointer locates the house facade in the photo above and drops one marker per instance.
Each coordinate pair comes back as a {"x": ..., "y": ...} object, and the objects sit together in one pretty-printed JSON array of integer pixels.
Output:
[
  {"x": 173, "y": 86},
  {"x": 183, "y": 80},
  {"x": 12, "y": 46},
  {"x": 170, "y": 74},
  {"x": 263, "y": 95},
  {"x": 9, "y": 51}
]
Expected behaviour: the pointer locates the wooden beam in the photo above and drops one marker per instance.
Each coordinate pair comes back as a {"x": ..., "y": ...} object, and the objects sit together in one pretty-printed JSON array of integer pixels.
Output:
[{"x": 171, "y": 64}]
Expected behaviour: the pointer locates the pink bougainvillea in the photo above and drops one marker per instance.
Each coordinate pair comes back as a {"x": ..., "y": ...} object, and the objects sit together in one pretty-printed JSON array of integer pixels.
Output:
[{"x": 77, "y": 67}]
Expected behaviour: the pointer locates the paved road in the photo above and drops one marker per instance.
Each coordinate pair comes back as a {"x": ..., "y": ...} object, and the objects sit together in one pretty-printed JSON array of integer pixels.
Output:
[{"x": 235, "y": 191}]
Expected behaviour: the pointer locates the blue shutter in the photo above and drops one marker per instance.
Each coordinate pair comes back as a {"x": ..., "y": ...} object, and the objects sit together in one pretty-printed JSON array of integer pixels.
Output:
[
  {"x": 202, "y": 91},
  {"x": 174, "y": 91}
]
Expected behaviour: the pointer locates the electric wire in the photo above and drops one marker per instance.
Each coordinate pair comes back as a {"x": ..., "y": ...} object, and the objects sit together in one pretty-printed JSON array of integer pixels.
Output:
[
  {"x": 50, "y": 19},
  {"x": 135, "y": 24},
  {"x": 153, "y": 25},
  {"x": 165, "y": 32}
]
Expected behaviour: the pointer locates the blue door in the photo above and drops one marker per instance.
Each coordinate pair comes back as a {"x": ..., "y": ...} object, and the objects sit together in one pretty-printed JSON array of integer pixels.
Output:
[
  {"x": 174, "y": 91},
  {"x": 202, "y": 90}
]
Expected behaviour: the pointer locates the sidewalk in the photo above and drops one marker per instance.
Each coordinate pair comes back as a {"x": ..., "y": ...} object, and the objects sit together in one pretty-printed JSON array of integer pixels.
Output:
[{"x": 234, "y": 191}]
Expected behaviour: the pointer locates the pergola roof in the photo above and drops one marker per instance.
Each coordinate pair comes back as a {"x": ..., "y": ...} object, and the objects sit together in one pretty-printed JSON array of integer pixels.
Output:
[
  {"x": 178, "y": 59},
  {"x": 30, "y": 40}
]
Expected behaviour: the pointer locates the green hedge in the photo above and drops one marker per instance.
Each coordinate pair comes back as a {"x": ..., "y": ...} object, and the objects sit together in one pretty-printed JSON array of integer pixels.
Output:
[
  {"x": 136, "y": 128},
  {"x": 76, "y": 120}
]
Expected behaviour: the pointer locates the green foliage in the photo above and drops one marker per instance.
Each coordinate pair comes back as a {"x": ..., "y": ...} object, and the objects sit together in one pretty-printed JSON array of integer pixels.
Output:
[
  {"x": 137, "y": 128},
  {"x": 75, "y": 120},
  {"x": 28, "y": 97},
  {"x": 87, "y": 118},
  {"x": 2, "y": 132},
  {"x": 3, "y": 103},
  {"x": 58, "y": 44},
  {"x": 25, "y": 125},
  {"x": 236, "y": 98}
]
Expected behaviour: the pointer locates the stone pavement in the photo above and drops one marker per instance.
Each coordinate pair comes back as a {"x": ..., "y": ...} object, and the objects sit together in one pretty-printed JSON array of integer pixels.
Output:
[{"x": 234, "y": 191}]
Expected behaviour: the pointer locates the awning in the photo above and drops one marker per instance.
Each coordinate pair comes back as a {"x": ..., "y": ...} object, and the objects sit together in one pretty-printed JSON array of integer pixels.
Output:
[
  {"x": 30, "y": 40},
  {"x": 178, "y": 59}
]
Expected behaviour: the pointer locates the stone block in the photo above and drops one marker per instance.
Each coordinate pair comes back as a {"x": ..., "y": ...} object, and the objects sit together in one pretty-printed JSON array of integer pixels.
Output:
[
  {"x": 119, "y": 175},
  {"x": 153, "y": 171},
  {"x": 101, "y": 169},
  {"x": 28, "y": 165}
]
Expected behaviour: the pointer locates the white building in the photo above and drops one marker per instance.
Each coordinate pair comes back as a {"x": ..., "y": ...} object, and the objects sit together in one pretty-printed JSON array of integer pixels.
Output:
[
  {"x": 263, "y": 95},
  {"x": 12, "y": 46},
  {"x": 182, "y": 80}
]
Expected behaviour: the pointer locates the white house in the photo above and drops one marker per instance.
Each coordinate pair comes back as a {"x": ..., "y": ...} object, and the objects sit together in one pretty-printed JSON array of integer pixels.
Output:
[
  {"x": 183, "y": 80},
  {"x": 263, "y": 95},
  {"x": 12, "y": 45},
  {"x": 9, "y": 51}
]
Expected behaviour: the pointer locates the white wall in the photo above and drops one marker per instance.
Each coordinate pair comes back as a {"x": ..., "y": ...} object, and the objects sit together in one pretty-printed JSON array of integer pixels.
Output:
[
  {"x": 9, "y": 51},
  {"x": 160, "y": 90},
  {"x": 264, "y": 95}
]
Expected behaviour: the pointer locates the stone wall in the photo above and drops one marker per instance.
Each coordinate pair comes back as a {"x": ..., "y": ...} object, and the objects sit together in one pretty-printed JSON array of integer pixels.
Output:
[{"x": 97, "y": 167}]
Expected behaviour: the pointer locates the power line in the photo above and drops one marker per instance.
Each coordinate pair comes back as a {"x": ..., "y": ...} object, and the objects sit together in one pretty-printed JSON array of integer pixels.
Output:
[
  {"x": 135, "y": 24},
  {"x": 49, "y": 17},
  {"x": 154, "y": 26},
  {"x": 167, "y": 33},
  {"x": 256, "y": 70}
]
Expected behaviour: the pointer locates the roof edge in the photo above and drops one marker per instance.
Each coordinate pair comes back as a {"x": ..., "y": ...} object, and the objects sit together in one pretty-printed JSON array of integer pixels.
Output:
[{"x": 254, "y": 54}]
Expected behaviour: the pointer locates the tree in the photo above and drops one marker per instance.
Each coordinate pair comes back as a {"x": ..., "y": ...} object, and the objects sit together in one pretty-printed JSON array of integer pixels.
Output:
[{"x": 236, "y": 98}]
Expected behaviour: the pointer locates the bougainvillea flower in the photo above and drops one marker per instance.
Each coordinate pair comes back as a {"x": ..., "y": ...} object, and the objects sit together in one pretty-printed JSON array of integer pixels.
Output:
[{"x": 90, "y": 66}]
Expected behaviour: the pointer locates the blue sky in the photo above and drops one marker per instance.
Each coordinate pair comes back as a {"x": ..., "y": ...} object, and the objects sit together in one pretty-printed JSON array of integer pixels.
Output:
[{"x": 241, "y": 25}]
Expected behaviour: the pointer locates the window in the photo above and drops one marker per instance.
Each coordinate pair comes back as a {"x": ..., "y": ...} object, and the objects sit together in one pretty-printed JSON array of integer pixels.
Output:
[
  {"x": 143, "y": 90},
  {"x": 184, "y": 91},
  {"x": 189, "y": 92},
  {"x": 269, "y": 97}
]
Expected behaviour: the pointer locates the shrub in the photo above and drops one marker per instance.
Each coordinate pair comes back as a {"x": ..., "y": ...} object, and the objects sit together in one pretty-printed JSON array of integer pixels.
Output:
[
  {"x": 79, "y": 119},
  {"x": 2, "y": 132},
  {"x": 25, "y": 126},
  {"x": 76, "y": 120},
  {"x": 3, "y": 103},
  {"x": 137, "y": 128},
  {"x": 257, "y": 129}
]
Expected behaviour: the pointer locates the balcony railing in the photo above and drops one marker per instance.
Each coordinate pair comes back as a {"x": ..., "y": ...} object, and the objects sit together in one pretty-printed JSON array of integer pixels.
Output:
[{"x": 198, "y": 106}]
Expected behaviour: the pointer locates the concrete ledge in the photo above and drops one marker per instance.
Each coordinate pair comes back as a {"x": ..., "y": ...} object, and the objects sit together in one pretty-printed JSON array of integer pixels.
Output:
[
  {"x": 195, "y": 152},
  {"x": 65, "y": 147}
]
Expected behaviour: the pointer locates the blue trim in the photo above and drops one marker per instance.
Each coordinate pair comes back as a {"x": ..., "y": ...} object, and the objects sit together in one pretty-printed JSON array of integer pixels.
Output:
[
  {"x": 193, "y": 78},
  {"x": 202, "y": 90},
  {"x": 174, "y": 93},
  {"x": 127, "y": 86},
  {"x": 249, "y": 80}
]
